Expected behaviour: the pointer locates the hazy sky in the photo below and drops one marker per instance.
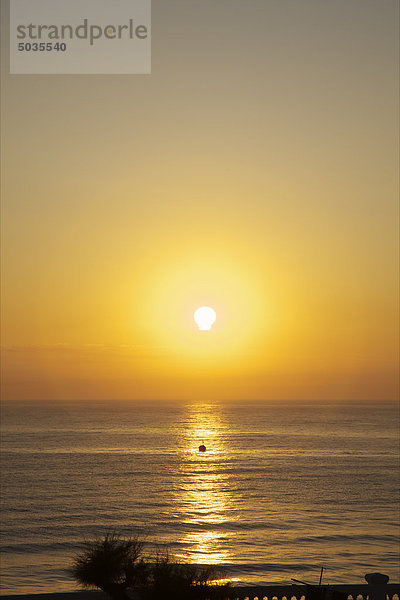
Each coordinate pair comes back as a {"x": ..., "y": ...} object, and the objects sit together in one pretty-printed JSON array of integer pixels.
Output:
[{"x": 255, "y": 170}]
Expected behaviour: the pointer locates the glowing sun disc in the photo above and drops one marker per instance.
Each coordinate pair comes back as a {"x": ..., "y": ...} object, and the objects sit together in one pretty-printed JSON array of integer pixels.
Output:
[{"x": 205, "y": 317}]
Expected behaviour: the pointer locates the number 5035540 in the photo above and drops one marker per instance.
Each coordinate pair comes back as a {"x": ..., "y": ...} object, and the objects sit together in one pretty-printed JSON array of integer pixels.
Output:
[{"x": 41, "y": 47}]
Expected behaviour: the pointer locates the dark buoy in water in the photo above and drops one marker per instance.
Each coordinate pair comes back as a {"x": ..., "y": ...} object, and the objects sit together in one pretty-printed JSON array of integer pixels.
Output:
[{"x": 202, "y": 448}]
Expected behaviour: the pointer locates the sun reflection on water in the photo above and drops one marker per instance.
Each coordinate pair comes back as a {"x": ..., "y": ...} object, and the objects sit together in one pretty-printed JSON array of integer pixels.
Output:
[{"x": 204, "y": 498}]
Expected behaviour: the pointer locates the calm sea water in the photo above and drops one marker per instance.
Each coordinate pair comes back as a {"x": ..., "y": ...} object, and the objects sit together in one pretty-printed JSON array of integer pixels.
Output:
[{"x": 282, "y": 489}]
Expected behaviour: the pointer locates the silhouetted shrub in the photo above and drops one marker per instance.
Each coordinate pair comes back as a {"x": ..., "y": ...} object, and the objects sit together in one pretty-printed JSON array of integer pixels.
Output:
[
  {"x": 117, "y": 566},
  {"x": 171, "y": 580},
  {"x": 112, "y": 564}
]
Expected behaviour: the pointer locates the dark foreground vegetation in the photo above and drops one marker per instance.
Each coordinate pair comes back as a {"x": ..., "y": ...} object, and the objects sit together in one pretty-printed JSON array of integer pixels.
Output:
[{"x": 119, "y": 567}]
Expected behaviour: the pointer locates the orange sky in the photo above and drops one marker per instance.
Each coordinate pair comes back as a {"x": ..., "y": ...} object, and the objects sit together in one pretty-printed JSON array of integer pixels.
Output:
[{"x": 255, "y": 171}]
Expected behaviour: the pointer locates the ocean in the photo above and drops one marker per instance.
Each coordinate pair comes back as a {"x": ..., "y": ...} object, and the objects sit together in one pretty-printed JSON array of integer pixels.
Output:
[{"x": 282, "y": 489}]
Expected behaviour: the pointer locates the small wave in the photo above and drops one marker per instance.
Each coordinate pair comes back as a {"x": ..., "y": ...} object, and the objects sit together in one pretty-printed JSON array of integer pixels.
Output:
[{"x": 350, "y": 537}]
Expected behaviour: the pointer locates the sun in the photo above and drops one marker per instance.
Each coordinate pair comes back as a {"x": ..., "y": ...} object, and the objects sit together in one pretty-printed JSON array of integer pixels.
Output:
[{"x": 205, "y": 317}]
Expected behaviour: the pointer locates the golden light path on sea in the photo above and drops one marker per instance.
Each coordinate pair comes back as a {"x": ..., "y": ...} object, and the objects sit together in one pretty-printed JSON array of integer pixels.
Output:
[{"x": 204, "y": 499}]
